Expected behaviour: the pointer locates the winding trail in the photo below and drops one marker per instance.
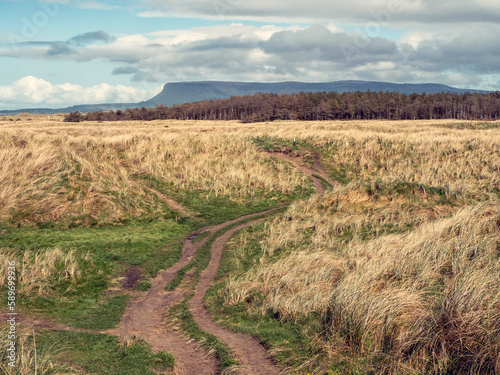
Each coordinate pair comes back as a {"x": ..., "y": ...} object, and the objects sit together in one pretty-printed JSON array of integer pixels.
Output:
[
  {"x": 144, "y": 318},
  {"x": 144, "y": 315},
  {"x": 172, "y": 203},
  {"x": 250, "y": 352},
  {"x": 299, "y": 162}
]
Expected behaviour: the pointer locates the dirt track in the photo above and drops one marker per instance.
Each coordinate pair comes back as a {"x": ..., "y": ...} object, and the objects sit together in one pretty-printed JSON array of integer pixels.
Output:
[
  {"x": 144, "y": 316},
  {"x": 249, "y": 351}
]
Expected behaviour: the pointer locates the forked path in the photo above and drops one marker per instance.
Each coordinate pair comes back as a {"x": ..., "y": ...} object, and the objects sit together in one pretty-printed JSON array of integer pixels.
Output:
[
  {"x": 144, "y": 316},
  {"x": 249, "y": 351}
]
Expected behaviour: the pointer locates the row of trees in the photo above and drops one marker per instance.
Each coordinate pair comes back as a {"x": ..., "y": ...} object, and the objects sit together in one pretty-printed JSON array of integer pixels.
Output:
[{"x": 318, "y": 106}]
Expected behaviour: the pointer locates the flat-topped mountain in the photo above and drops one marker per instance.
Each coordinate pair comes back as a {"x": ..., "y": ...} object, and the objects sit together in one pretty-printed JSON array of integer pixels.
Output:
[{"x": 189, "y": 92}]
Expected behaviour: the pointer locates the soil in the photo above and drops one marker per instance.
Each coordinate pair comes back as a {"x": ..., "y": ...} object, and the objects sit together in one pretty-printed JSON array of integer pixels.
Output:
[
  {"x": 29, "y": 321},
  {"x": 144, "y": 315},
  {"x": 249, "y": 351},
  {"x": 132, "y": 277},
  {"x": 172, "y": 203}
]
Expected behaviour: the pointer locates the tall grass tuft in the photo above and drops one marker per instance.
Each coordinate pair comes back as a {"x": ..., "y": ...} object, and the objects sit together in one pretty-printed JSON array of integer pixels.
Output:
[
  {"x": 422, "y": 301},
  {"x": 39, "y": 270},
  {"x": 31, "y": 359}
]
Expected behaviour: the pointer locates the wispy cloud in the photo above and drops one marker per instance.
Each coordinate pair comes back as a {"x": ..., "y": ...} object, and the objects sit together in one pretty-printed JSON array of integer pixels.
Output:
[
  {"x": 354, "y": 11},
  {"x": 91, "y": 37},
  {"x": 61, "y": 48}
]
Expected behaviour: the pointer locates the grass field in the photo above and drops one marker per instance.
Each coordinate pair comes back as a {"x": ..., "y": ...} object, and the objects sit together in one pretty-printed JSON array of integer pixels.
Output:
[{"x": 394, "y": 271}]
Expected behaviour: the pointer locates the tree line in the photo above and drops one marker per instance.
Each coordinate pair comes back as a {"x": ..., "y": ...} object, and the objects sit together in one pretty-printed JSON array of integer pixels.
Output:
[{"x": 317, "y": 107}]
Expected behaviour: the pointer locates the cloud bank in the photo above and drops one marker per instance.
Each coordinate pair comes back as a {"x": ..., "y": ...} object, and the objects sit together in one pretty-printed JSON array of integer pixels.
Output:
[
  {"x": 450, "y": 42},
  {"x": 31, "y": 91},
  {"x": 270, "y": 53}
]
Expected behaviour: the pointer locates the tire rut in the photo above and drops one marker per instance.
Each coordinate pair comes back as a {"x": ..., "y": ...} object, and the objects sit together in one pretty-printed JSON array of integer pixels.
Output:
[
  {"x": 144, "y": 315},
  {"x": 250, "y": 352}
]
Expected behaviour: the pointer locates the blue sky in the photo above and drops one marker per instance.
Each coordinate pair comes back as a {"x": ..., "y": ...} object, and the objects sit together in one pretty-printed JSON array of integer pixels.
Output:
[{"x": 55, "y": 53}]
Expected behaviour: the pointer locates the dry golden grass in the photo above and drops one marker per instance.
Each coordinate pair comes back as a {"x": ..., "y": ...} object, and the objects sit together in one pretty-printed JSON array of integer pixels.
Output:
[
  {"x": 32, "y": 359},
  {"x": 400, "y": 265},
  {"x": 51, "y": 170},
  {"x": 357, "y": 209},
  {"x": 427, "y": 300},
  {"x": 37, "y": 271},
  {"x": 424, "y": 152}
]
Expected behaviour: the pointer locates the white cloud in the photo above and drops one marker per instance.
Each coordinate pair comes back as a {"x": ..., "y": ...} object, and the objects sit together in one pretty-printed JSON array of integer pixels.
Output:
[
  {"x": 355, "y": 11},
  {"x": 152, "y": 14},
  {"x": 31, "y": 91},
  {"x": 237, "y": 52}
]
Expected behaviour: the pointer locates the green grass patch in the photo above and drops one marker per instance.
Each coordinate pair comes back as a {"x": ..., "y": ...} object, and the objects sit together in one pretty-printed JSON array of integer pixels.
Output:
[
  {"x": 104, "y": 315},
  {"x": 213, "y": 209},
  {"x": 103, "y": 354},
  {"x": 236, "y": 260},
  {"x": 144, "y": 285},
  {"x": 109, "y": 251}
]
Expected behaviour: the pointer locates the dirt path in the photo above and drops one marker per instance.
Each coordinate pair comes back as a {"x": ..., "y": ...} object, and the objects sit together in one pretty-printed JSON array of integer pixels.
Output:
[
  {"x": 143, "y": 317},
  {"x": 298, "y": 161},
  {"x": 322, "y": 172},
  {"x": 172, "y": 203},
  {"x": 250, "y": 352},
  {"x": 41, "y": 322}
]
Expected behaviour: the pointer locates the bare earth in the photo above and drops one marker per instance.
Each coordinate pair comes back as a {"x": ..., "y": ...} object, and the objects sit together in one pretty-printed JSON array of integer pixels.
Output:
[
  {"x": 250, "y": 351},
  {"x": 144, "y": 319}
]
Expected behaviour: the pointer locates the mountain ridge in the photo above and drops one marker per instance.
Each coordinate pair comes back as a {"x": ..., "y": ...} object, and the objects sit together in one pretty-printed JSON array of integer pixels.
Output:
[{"x": 174, "y": 93}]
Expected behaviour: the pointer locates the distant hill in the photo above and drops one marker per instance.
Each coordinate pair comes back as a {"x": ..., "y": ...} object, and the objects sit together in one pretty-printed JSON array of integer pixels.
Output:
[
  {"x": 189, "y": 92},
  {"x": 84, "y": 108}
]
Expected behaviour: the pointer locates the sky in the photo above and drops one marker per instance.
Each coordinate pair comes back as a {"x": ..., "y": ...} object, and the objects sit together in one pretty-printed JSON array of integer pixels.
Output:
[{"x": 56, "y": 53}]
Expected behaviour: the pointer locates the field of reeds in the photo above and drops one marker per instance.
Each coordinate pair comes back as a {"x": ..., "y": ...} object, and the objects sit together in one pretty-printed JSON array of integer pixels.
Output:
[
  {"x": 397, "y": 271},
  {"x": 394, "y": 271},
  {"x": 93, "y": 173}
]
